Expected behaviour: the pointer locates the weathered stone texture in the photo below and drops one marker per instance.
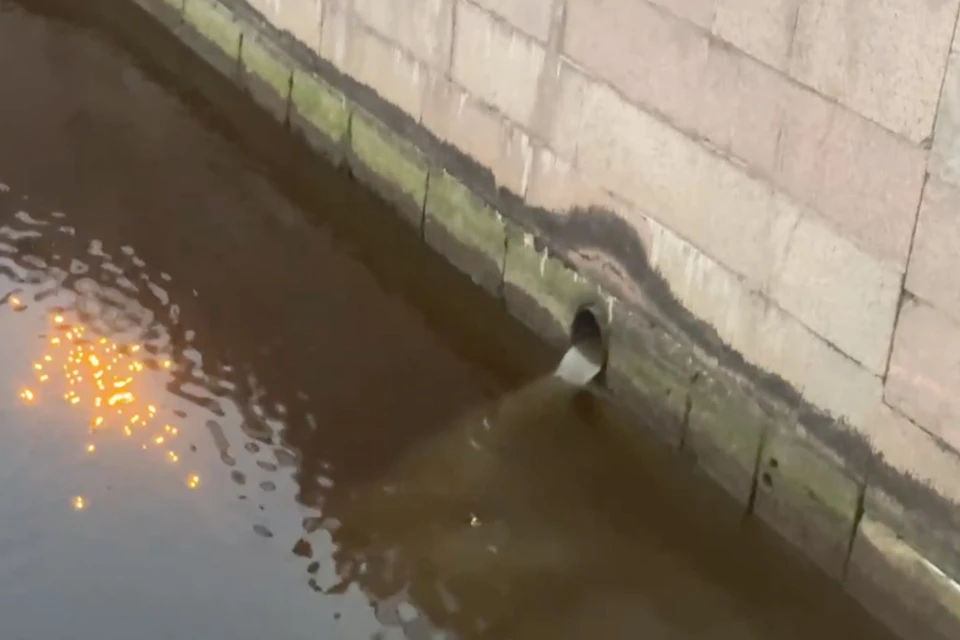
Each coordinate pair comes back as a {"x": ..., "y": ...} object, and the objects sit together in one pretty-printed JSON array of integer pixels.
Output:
[
  {"x": 469, "y": 232},
  {"x": 650, "y": 372},
  {"x": 540, "y": 289},
  {"x": 317, "y": 107},
  {"x": 680, "y": 183},
  {"x": 925, "y": 370},
  {"x": 216, "y": 24},
  {"x": 840, "y": 292},
  {"x": 864, "y": 179},
  {"x": 699, "y": 12},
  {"x": 726, "y": 426},
  {"x": 268, "y": 73},
  {"x": 762, "y": 28},
  {"x": 945, "y": 156},
  {"x": 422, "y": 27},
  {"x": 389, "y": 164},
  {"x": 935, "y": 261},
  {"x": 480, "y": 132},
  {"x": 530, "y": 16},
  {"x": 335, "y": 31},
  {"x": 496, "y": 63},
  {"x": 807, "y": 497},
  {"x": 387, "y": 69},
  {"x": 882, "y": 58},
  {"x": 654, "y": 58},
  {"x": 742, "y": 105},
  {"x": 907, "y": 554},
  {"x": 299, "y": 17},
  {"x": 762, "y": 332}
]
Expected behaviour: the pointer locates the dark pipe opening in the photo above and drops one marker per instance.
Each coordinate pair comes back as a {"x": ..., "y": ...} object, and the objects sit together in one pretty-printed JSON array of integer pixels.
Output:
[{"x": 589, "y": 334}]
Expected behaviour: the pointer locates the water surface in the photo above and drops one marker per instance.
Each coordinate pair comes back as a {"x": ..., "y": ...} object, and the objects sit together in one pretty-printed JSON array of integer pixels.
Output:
[{"x": 220, "y": 419}]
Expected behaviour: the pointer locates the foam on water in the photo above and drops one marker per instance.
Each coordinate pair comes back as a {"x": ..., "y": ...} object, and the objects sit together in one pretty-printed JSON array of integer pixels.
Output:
[{"x": 577, "y": 367}]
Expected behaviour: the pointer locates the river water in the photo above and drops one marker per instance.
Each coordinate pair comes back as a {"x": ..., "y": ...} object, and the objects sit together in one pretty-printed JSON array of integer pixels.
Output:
[{"x": 225, "y": 415}]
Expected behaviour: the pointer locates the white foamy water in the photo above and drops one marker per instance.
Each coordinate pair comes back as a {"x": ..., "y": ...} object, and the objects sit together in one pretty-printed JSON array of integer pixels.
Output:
[{"x": 577, "y": 367}]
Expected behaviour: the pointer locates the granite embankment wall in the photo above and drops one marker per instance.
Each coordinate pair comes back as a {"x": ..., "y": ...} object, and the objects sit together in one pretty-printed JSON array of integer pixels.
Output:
[{"x": 761, "y": 197}]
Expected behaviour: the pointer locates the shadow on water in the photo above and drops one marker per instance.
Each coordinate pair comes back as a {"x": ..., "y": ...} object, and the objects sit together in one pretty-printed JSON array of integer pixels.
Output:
[{"x": 237, "y": 422}]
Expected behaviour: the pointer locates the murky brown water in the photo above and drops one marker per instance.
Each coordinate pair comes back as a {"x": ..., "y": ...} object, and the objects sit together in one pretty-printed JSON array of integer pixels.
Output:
[{"x": 222, "y": 417}]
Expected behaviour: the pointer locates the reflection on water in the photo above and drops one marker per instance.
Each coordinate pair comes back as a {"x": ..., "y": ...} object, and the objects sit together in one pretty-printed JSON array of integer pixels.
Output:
[{"x": 218, "y": 416}]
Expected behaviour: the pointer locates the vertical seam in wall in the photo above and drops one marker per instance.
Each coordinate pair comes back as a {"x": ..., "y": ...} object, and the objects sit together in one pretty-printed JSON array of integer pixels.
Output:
[
  {"x": 923, "y": 191},
  {"x": 757, "y": 464},
  {"x": 857, "y": 519},
  {"x": 903, "y": 279},
  {"x": 322, "y": 7},
  {"x": 288, "y": 106},
  {"x": 503, "y": 266},
  {"x": 544, "y": 108},
  {"x": 451, "y": 48},
  {"x": 238, "y": 59},
  {"x": 423, "y": 207}
]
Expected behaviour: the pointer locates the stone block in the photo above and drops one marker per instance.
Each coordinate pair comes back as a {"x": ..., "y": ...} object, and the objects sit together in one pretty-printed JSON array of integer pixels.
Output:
[
  {"x": 389, "y": 164},
  {"x": 762, "y": 332},
  {"x": 496, "y": 63},
  {"x": 219, "y": 33},
  {"x": 699, "y": 12},
  {"x": 653, "y": 57},
  {"x": 649, "y": 372},
  {"x": 318, "y": 111},
  {"x": 735, "y": 218},
  {"x": 268, "y": 72},
  {"x": 840, "y": 292},
  {"x": 727, "y": 423},
  {"x": 906, "y": 557},
  {"x": 762, "y": 28},
  {"x": 742, "y": 105},
  {"x": 541, "y": 290},
  {"x": 935, "y": 260},
  {"x": 335, "y": 27},
  {"x": 387, "y": 69},
  {"x": 925, "y": 370},
  {"x": 533, "y": 17},
  {"x": 479, "y": 132},
  {"x": 900, "y": 587},
  {"x": 863, "y": 179},
  {"x": 299, "y": 18},
  {"x": 422, "y": 27},
  {"x": 807, "y": 496},
  {"x": 884, "y": 59},
  {"x": 470, "y": 233},
  {"x": 945, "y": 152}
]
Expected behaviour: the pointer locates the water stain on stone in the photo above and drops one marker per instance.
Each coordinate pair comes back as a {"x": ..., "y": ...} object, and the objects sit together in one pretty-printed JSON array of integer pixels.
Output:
[
  {"x": 252, "y": 447},
  {"x": 238, "y": 477},
  {"x": 313, "y": 567},
  {"x": 262, "y": 530},
  {"x": 266, "y": 485}
]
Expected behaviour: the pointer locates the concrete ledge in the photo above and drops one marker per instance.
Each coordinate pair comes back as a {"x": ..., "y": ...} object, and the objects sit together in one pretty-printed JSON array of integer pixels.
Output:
[
  {"x": 319, "y": 113},
  {"x": 806, "y": 496},
  {"x": 462, "y": 227},
  {"x": 803, "y": 474},
  {"x": 389, "y": 164},
  {"x": 541, "y": 290}
]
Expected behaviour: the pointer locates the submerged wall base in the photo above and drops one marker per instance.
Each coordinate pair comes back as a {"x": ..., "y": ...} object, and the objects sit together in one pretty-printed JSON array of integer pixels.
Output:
[{"x": 866, "y": 521}]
